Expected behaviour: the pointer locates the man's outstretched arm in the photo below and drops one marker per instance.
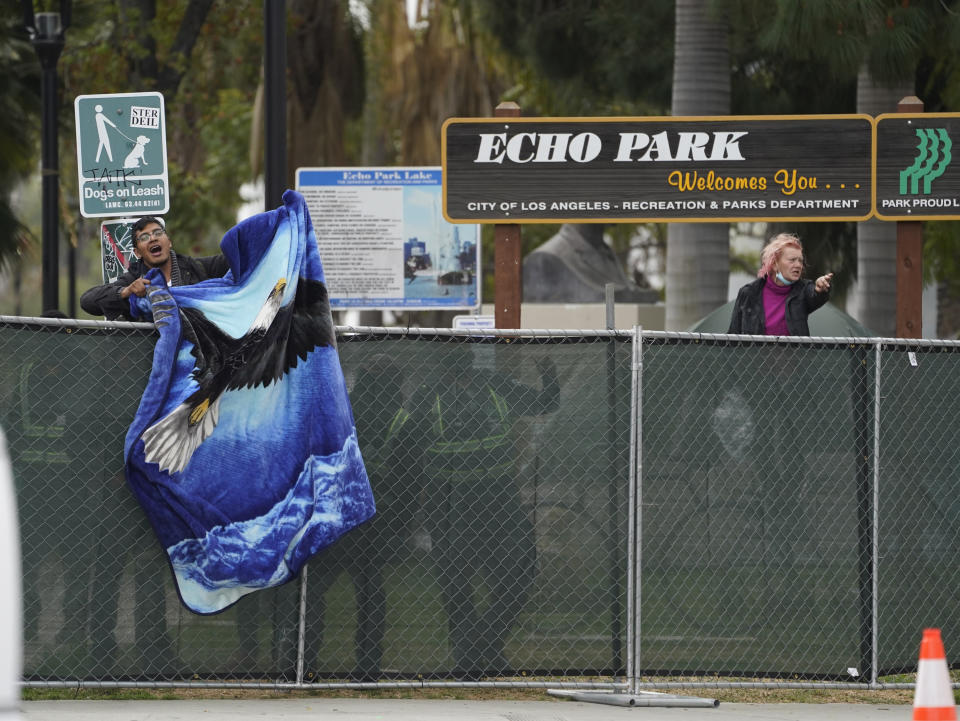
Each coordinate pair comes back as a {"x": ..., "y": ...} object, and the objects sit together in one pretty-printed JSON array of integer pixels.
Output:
[{"x": 108, "y": 300}]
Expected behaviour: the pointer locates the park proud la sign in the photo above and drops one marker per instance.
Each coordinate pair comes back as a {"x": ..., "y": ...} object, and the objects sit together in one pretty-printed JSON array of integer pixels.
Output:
[
  {"x": 918, "y": 175},
  {"x": 654, "y": 169}
]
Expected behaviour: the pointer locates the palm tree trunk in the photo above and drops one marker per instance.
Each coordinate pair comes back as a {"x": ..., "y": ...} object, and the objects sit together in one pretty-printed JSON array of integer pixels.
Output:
[
  {"x": 698, "y": 254},
  {"x": 873, "y": 300}
]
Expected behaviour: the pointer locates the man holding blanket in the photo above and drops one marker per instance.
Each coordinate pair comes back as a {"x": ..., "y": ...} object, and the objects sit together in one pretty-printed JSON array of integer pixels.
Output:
[
  {"x": 243, "y": 451},
  {"x": 153, "y": 249}
]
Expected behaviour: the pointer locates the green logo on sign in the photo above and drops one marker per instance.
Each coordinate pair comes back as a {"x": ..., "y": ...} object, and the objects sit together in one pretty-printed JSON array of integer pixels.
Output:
[{"x": 931, "y": 161}]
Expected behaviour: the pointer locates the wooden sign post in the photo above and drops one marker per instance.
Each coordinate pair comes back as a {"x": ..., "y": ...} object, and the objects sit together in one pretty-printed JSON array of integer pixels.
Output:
[
  {"x": 507, "y": 257},
  {"x": 910, "y": 259}
]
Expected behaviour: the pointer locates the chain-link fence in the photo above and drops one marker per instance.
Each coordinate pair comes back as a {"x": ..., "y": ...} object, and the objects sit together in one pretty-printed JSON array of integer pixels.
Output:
[
  {"x": 798, "y": 515},
  {"x": 595, "y": 509}
]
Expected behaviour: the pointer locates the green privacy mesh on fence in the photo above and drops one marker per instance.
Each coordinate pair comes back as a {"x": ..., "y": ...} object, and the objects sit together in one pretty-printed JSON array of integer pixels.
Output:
[
  {"x": 501, "y": 468},
  {"x": 751, "y": 509},
  {"x": 764, "y": 465},
  {"x": 919, "y": 501},
  {"x": 497, "y": 549}
]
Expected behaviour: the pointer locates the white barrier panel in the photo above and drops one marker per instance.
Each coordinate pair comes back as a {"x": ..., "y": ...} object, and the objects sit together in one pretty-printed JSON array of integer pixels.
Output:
[{"x": 10, "y": 626}]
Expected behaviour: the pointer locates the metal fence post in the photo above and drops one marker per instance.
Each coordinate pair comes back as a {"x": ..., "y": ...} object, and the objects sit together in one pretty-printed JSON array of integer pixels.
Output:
[
  {"x": 874, "y": 630},
  {"x": 614, "y": 477},
  {"x": 865, "y": 512},
  {"x": 634, "y": 513},
  {"x": 302, "y": 625}
]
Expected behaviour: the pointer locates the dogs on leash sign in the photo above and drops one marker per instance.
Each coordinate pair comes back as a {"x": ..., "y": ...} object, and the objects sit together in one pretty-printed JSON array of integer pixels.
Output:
[{"x": 122, "y": 154}]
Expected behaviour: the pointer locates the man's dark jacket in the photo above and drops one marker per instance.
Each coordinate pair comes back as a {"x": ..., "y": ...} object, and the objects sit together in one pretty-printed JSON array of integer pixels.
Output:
[
  {"x": 105, "y": 300},
  {"x": 749, "y": 318}
]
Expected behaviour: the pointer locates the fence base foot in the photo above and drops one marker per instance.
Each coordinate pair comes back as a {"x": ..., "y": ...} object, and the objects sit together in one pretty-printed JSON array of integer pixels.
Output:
[{"x": 640, "y": 698}]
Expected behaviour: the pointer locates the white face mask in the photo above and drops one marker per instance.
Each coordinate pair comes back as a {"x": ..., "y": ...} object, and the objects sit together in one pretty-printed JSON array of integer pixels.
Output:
[{"x": 783, "y": 280}]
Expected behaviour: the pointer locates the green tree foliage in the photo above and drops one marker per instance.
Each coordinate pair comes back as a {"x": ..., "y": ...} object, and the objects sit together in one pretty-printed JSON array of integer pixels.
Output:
[
  {"x": 377, "y": 91},
  {"x": 422, "y": 75},
  {"x": 19, "y": 130},
  {"x": 446, "y": 65},
  {"x": 204, "y": 57},
  {"x": 698, "y": 254},
  {"x": 885, "y": 36},
  {"x": 592, "y": 57},
  {"x": 325, "y": 84},
  {"x": 893, "y": 40},
  {"x": 605, "y": 58},
  {"x": 587, "y": 58},
  {"x": 941, "y": 259},
  {"x": 779, "y": 77}
]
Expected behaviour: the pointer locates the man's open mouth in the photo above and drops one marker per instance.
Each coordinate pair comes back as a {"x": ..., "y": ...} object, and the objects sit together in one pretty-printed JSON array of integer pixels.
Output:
[{"x": 155, "y": 249}]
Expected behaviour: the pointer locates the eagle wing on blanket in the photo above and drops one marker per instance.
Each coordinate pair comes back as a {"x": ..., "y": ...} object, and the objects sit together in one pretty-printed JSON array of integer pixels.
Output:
[{"x": 278, "y": 337}]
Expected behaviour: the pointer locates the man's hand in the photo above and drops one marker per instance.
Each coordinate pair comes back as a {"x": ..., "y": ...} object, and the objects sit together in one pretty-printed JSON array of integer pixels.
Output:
[
  {"x": 822, "y": 284},
  {"x": 139, "y": 288}
]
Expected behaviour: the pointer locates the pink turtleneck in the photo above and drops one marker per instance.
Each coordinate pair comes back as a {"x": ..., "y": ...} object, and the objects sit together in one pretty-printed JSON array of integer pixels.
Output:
[{"x": 774, "y": 307}]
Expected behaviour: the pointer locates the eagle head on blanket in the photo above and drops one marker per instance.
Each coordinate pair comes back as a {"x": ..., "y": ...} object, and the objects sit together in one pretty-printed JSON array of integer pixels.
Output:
[
  {"x": 243, "y": 451},
  {"x": 269, "y": 311}
]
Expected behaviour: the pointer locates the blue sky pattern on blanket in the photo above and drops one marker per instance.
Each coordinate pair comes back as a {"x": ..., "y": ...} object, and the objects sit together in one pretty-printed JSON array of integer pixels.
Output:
[{"x": 276, "y": 475}]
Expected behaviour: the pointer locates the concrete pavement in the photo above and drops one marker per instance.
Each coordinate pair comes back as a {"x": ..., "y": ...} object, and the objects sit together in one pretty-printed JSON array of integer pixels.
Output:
[{"x": 360, "y": 709}]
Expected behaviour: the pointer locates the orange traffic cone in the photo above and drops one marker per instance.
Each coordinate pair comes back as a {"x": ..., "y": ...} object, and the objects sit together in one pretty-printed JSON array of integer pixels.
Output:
[{"x": 933, "y": 699}]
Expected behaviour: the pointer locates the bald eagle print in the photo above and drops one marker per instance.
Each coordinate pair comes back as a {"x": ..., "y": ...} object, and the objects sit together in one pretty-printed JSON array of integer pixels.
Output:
[
  {"x": 243, "y": 452},
  {"x": 278, "y": 338}
]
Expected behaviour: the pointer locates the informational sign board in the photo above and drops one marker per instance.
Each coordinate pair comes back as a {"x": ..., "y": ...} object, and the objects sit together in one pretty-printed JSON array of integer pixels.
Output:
[
  {"x": 918, "y": 173},
  {"x": 116, "y": 247},
  {"x": 706, "y": 169},
  {"x": 384, "y": 242},
  {"x": 122, "y": 154}
]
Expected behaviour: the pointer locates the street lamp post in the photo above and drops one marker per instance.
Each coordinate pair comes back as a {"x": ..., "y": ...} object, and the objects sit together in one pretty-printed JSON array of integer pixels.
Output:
[
  {"x": 46, "y": 34},
  {"x": 275, "y": 95}
]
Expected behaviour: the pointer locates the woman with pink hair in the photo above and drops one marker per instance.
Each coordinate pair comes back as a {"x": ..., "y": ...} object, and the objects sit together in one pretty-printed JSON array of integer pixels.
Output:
[{"x": 779, "y": 301}]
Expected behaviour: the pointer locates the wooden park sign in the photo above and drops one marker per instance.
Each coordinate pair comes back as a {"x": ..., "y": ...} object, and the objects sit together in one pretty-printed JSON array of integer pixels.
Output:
[
  {"x": 509, "y": 170},
  {"x": 655, "y": 169}
]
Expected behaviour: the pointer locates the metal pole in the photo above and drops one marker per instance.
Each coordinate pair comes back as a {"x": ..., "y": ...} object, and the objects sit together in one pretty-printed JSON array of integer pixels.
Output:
[
  {"x": 275, "y": 97},
  {"x": 609, "y": 290},
  {"x": 875, "y": 610},
  {"x": 637, "y": 507},
  {"x": 634, "y": 512},
  {"x": 50, "y": 193},
  {"x": 302, "y": 626},
  {"x": 46, "y": 34},
  {"x": 860, "y": 393},
  {"x": 71, "y": 280},
  {"x": 73, "y": 242},
  {"x": 614, "y": 478}
]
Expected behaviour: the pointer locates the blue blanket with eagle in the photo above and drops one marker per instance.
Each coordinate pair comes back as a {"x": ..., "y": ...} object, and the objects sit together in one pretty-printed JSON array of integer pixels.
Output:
[{"x": 243, "y": 451}]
